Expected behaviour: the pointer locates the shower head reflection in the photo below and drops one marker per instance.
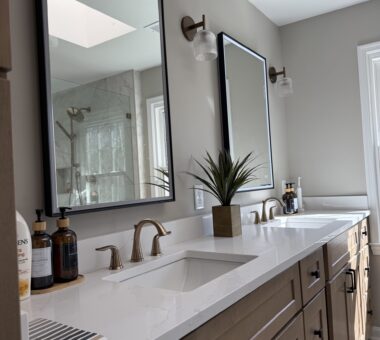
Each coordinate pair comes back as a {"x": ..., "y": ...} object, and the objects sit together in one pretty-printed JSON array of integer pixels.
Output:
[{"x": 77, "y": 114}]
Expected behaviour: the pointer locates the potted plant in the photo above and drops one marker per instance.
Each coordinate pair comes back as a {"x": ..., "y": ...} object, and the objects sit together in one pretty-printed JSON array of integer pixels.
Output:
[{"x": 223, "y": 179}]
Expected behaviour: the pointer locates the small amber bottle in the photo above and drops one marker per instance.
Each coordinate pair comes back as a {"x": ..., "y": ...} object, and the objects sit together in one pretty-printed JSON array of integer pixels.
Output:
[
  {"x": 65, "y": 255},
  {"x": 42, "y": 270}
]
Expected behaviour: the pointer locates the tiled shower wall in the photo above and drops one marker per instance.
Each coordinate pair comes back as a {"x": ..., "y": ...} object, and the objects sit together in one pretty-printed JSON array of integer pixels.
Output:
[{"x": 109, "y": 99}]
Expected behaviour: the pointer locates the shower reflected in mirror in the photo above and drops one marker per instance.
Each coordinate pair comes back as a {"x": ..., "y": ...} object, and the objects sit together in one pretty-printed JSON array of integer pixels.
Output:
[{"x": 75, "y": 187}]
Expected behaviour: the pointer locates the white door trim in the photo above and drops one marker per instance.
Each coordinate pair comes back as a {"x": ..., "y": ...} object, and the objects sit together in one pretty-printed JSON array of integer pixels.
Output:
[{"x": 368, "y": 57}]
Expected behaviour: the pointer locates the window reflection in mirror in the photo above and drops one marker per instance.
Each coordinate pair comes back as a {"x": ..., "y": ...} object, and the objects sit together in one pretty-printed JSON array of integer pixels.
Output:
[
  {"x": 245, "y": 110},
  {"x": 110, "y": 142}
]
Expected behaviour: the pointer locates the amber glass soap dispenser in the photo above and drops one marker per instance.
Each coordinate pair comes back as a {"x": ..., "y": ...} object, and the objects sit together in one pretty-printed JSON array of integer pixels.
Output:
[
  {"x": 42, "y": 266},
  {"x": 65, "y": 255}
]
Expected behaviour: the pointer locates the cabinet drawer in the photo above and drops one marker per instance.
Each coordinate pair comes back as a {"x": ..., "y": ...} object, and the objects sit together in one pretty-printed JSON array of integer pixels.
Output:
[
  {"x": 363, "y": 233},
  {"x": 293, "y": 331},
  {"x": 259, "y": 315},
  {"x": 315, "y": 318},
  {"x": 339, "y": 251},
  {"x": 312, "y": 273}
]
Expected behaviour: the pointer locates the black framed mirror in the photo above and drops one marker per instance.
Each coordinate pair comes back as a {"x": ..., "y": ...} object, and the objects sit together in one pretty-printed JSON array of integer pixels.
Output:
[
  {"x": 245, "y": 107},
  {"x": 105, "y": 104}
]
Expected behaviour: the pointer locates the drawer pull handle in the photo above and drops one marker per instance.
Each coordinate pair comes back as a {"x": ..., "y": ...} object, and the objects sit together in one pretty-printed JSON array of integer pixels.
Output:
[
  {"x": 352, "y": 274},
  {"x": 316, "y": 274},
  {"x": 367, "y": 269},
  {"x": 319, "y": 333},
  {"x": 370, "y": 312},
  {"x": 365, "y": 233}
]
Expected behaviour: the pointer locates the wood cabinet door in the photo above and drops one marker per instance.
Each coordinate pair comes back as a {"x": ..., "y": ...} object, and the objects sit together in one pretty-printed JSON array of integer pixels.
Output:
[
  {"x": 260, "y": 315},
  {"x": 5, "y": 38},
  {"x": 294, "y": 330},
  {"x": 312, "y": 273},
  {"x": 337, "y": 306},
  {"x": 364, "y": 272},
  {"x": 353, "y": 296},
  {"x": 363, "y": 233},
  {"x": 339, "y": 251},
  {"x": 315, "y": 318},
  {"x": 369, "y": 316},
  {"x": 364, "y": 269}
]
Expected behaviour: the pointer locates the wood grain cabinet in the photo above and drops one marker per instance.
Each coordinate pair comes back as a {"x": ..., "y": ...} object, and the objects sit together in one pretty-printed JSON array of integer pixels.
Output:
[
  {"x": 315, "y": 318},
  {"x": 339, "y": 251},
  {"x": 337, "y": 306},
  {"x": 326, "y": 295},
  {"x": 366, "y": 310},
  {"x": 363, "y": 233},
  {"x": 5, "y": 38},
  {"x": 353, "y": 295},
  {"x": 312, "y": 272},
  {"x": 348, "y": 292},
  {"x": 260, "y": 315},
  {"x": 294, "y": 330}
]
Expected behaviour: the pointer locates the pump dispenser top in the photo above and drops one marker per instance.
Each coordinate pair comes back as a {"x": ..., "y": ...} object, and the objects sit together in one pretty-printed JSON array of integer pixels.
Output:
[
  {"x": 63, "y": 221},
  {"x": 39, "y": 224}
]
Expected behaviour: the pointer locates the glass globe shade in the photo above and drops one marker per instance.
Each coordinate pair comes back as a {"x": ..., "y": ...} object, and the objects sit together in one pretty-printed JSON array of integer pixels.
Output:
[
  {"x": 284, "y": 87},
  {"x": 204, "y": 46}
]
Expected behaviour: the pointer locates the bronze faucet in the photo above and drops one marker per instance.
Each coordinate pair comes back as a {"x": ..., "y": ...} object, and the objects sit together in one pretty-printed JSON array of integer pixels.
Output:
[
  {"x": 257, "y": 216},
  {"x": 137, "y": 255},
  {"x": 264, "y": 217},
  {"x": 115, "y": 263}
]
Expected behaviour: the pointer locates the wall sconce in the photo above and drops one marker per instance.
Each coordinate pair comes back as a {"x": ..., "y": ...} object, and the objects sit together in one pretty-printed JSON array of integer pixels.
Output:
[
  {"x": 204, "y": 41},
  {"x": 284, "y": 85}
]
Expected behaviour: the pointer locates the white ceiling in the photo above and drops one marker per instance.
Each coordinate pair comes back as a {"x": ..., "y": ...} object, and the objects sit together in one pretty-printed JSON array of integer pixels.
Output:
[
  {"x": 283, "y": 12},
  {"x": 72, "y": 65}
]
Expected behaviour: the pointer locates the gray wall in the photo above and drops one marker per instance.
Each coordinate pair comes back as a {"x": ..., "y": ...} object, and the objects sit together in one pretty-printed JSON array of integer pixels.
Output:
[
  {"x": 324, "y": 114},
  {"x": 194, "y": 98}
]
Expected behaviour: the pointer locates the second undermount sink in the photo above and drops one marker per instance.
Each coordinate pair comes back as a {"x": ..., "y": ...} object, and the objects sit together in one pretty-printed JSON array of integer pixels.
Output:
[
  {"x": 302, "y": 222},
  {"x": 184, "y": 271}
]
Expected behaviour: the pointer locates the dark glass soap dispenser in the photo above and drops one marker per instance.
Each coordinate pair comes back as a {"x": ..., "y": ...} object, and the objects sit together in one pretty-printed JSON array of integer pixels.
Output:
[
  {"x": 65, "y": 254},
  {"x": 42, "y": 266}
]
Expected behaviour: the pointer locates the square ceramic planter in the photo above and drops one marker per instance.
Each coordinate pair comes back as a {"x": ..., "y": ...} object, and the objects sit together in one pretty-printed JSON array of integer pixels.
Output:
[{"x": 226, "y": 220}]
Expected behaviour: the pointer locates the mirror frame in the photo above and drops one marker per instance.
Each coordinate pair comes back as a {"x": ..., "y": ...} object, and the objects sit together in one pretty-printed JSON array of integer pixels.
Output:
[
  {"x": 47, "y": 121},
  {"x": 224, "y": 104}
]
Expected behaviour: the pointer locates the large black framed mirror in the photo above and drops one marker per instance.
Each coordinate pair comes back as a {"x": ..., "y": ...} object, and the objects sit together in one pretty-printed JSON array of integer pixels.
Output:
[
  {"x": 245, "y": 107},
  {"x": 105, "y": 104}
]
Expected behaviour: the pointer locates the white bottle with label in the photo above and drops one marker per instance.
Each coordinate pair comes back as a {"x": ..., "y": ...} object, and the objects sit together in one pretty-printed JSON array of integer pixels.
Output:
[{"x": 24, "y": 257}]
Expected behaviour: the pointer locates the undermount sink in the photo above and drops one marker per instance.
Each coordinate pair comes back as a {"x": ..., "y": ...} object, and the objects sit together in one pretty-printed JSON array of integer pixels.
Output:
[
  {"x": 184, "y": 271},
  {"x": 302, "y": 222}
]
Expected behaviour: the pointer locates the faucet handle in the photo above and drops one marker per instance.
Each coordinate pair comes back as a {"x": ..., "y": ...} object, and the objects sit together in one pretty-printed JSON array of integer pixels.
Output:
[
  {"x": 156, "y": 248},
  {"x": 271, "y": 212},
  {"x": 116, "y": 262},
  {"x": 257, "y": 216}
]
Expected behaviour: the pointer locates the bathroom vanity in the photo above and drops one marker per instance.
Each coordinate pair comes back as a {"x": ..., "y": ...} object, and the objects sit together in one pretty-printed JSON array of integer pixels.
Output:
[
  {"x": 297, "y": 277},
  {"x": 336, "y": 273}
]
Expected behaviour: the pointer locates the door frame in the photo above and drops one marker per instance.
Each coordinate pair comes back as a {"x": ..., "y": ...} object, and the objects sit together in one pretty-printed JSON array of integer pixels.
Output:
[{"x": 368, "y": 57}]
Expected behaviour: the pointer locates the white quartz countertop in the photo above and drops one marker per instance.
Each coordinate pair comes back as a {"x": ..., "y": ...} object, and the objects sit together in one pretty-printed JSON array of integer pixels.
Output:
[{"x": 119, "y": 311}]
